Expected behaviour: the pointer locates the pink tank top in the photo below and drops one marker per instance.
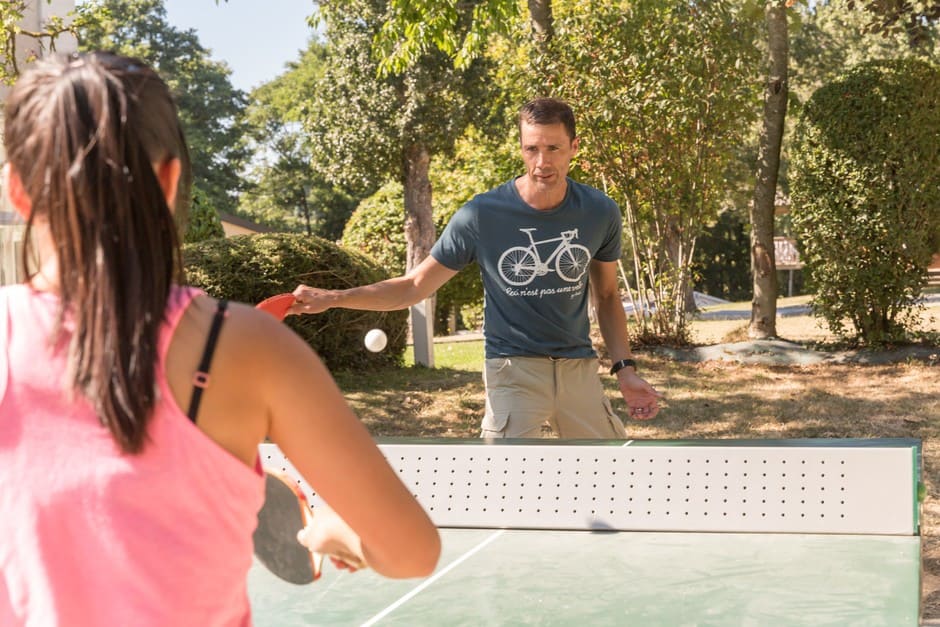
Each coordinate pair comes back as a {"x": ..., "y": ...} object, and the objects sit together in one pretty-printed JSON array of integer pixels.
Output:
[{"x": 92, "y": 536}]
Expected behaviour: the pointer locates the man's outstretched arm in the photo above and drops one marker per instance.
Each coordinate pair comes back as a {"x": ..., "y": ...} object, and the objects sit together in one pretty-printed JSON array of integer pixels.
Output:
[{"x": 389, "y": 295}]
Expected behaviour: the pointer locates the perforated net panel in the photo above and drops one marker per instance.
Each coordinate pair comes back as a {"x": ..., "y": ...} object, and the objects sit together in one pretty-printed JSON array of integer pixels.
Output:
[{"x": 656, "y": 488}]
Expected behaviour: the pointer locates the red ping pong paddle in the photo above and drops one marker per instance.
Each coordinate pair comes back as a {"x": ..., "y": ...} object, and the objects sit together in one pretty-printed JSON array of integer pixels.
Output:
[
  {"x": 284, "y": 513},
  {"x": 277, "y": 305}
]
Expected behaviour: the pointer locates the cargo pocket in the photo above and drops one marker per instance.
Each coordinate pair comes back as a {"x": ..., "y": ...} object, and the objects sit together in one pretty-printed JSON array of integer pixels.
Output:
[
  {"x": 619, "y": 432},
  {"x": 494, "y": 425}
]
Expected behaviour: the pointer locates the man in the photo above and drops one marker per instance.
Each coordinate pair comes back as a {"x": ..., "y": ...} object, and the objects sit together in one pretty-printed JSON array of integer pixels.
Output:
[{"x": 540, "y": 240}]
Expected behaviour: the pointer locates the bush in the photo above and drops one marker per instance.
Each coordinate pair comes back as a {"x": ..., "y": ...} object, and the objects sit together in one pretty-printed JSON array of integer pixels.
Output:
[
  {"x": 377, "y": 229},
  {"x": 204, "y": 222},
  {"x": 865, "y": 185},
  {"x": 249, "y": 268},
  {"x": 723, "y": 260}
]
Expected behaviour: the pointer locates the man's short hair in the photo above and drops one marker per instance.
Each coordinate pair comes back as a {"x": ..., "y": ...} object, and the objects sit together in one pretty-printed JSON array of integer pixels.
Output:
[{"x": 548, "y": 111}]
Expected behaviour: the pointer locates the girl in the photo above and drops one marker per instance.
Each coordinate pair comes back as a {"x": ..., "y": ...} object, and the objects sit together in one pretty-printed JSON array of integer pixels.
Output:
[{"x": 129, "y": 474}]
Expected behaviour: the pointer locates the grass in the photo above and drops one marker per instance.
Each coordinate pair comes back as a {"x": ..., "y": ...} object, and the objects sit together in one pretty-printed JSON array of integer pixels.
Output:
[{"x": 703, "y": 400}]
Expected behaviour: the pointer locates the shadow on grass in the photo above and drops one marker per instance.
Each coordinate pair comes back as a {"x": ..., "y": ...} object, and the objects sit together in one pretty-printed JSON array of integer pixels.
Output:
[{"x": 416, "y": 401}]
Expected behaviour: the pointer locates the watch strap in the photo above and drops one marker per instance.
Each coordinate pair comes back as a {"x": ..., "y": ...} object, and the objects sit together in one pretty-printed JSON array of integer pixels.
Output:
[{"x": 620, "y": 365}]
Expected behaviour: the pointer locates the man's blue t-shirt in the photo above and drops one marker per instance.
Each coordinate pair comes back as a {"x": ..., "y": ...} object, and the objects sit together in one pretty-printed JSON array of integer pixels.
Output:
[{"x": 534, "y": 266}]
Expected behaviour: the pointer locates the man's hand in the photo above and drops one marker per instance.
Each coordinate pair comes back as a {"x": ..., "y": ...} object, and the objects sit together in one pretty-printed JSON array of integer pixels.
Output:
[
  {"x": 641, "y": 397},
  {"x": 310, "y": 300}
]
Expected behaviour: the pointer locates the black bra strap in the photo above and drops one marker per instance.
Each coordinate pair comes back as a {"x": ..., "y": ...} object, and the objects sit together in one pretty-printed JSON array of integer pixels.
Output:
[{"x": 201, "y": 378}]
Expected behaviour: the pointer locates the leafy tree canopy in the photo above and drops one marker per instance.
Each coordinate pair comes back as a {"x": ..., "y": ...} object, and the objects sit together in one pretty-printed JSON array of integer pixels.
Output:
[
  {"x": 912, "y": 18},
  {"x": 416, "y": 26},
  {"x": 363, "y": 123},
  {"x": 664, "y": 92},
  {"x": 284, "y": 189},
  {"x": 208, "y": 103},
  {"x": 834, "y": 36}
]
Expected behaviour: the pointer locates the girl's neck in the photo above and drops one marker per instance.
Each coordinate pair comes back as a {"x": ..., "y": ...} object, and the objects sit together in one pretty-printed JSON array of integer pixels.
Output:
[{"x": 46, "y": 278}]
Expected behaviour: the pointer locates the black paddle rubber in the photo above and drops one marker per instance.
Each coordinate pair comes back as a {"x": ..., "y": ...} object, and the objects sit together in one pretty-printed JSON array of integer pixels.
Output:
[{"x": 275, "y": 538}]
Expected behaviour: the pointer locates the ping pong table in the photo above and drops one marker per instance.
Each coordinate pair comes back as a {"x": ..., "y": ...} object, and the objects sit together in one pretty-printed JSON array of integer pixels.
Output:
[{"x": 769, "y": 532}]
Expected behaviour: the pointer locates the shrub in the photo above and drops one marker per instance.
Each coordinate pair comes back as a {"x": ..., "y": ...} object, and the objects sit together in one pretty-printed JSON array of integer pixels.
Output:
[
  {"x": 865, "y": 185},
  {"x": 722, "y": 258},
  {"x": 204, "y": 222},
  {"x": 377, "y": 229},
  {"x": 249, "y": 268}
]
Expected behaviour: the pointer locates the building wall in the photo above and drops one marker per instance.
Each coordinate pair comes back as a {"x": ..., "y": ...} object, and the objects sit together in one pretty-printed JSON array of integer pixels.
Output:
[
  {"x": 37, "y": 13},
  {"x": 236, "y": 229},
  {"x": 35, "y": 16}
]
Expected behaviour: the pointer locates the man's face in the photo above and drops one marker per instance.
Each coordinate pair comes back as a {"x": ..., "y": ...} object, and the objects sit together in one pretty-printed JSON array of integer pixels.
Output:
[{"x": 547, "y": 152}]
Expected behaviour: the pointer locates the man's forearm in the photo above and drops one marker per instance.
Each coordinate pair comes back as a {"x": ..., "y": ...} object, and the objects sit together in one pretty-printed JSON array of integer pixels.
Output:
[
  {"x": 389, "y": 295},
  {"x": 612, "y": 322}
]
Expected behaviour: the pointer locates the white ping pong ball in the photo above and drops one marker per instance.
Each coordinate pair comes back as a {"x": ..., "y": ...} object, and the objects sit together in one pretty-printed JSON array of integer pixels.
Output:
[{"x": 376, "y": 340}]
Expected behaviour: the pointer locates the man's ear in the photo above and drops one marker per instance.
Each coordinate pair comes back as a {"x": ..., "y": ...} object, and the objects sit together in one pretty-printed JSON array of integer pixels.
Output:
[
  {"x": 13, "y": 185},
  {"x": 168, "y": 175}
]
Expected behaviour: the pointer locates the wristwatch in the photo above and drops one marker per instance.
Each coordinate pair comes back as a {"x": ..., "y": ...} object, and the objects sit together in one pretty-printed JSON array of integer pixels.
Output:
[{"x": 620, "y": 365}]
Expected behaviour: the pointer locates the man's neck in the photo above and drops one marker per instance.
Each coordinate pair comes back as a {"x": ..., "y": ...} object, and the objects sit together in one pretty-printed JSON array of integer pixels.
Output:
[{"x": 541, "y": 199}]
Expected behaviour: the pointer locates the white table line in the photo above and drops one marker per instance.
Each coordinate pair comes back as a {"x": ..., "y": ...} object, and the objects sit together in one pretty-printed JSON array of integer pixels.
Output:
[
  {"x": 427, "y": 582},
  {"x": 628, "y": 443}
]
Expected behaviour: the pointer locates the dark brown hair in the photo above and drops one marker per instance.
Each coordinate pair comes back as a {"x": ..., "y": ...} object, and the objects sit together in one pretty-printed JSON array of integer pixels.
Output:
[
  {"x": 83, "y": 133},
  {"x": 548, "y": 111}
]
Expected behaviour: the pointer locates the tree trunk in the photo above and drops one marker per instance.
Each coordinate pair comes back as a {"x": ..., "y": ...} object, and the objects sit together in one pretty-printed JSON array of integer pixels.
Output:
[
  {"x": 419, "y": 235},
  {"x": 763, "y": 323},
  {"x": 540, "y": 12},
  {"x": 543, "y": 29},
  {"x": 419, "y": 221}
]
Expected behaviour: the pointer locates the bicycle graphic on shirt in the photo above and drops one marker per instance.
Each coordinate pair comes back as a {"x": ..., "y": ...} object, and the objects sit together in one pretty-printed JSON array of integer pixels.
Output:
[{"x": 520, "y": 265}]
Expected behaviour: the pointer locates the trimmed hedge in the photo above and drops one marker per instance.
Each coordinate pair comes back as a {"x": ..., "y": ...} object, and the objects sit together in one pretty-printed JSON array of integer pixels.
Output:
[
  {"x": 865, "y": 186},
  {"x": 250, "y": 268}
]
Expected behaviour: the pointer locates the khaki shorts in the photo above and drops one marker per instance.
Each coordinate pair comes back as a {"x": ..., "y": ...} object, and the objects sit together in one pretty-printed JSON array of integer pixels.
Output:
[{"x": 524, "y": 393}]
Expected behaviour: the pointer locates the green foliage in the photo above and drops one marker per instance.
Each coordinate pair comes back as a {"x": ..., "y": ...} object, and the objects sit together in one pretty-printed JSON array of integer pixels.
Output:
[
  {"x": 414, "y": 26},
  {"x": 250, "y": 268},
  {"x": 368, "y": 129},
  {"x": 209, "y": 106},
  {"x": 363, "y": 126},
  {"x": 833, "y": 37},
  {"x": 912, "y": 18},
  {"x": 284, "y": 190},
  {"x": 865, "y": 185},
  {"x": 376, "y": 228},
  {"x": 285, "y": 193},
  {"x": 722, "y": 258},
  {"x": 665, "y": 92},
  {"x": 204, "y": 222}
]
